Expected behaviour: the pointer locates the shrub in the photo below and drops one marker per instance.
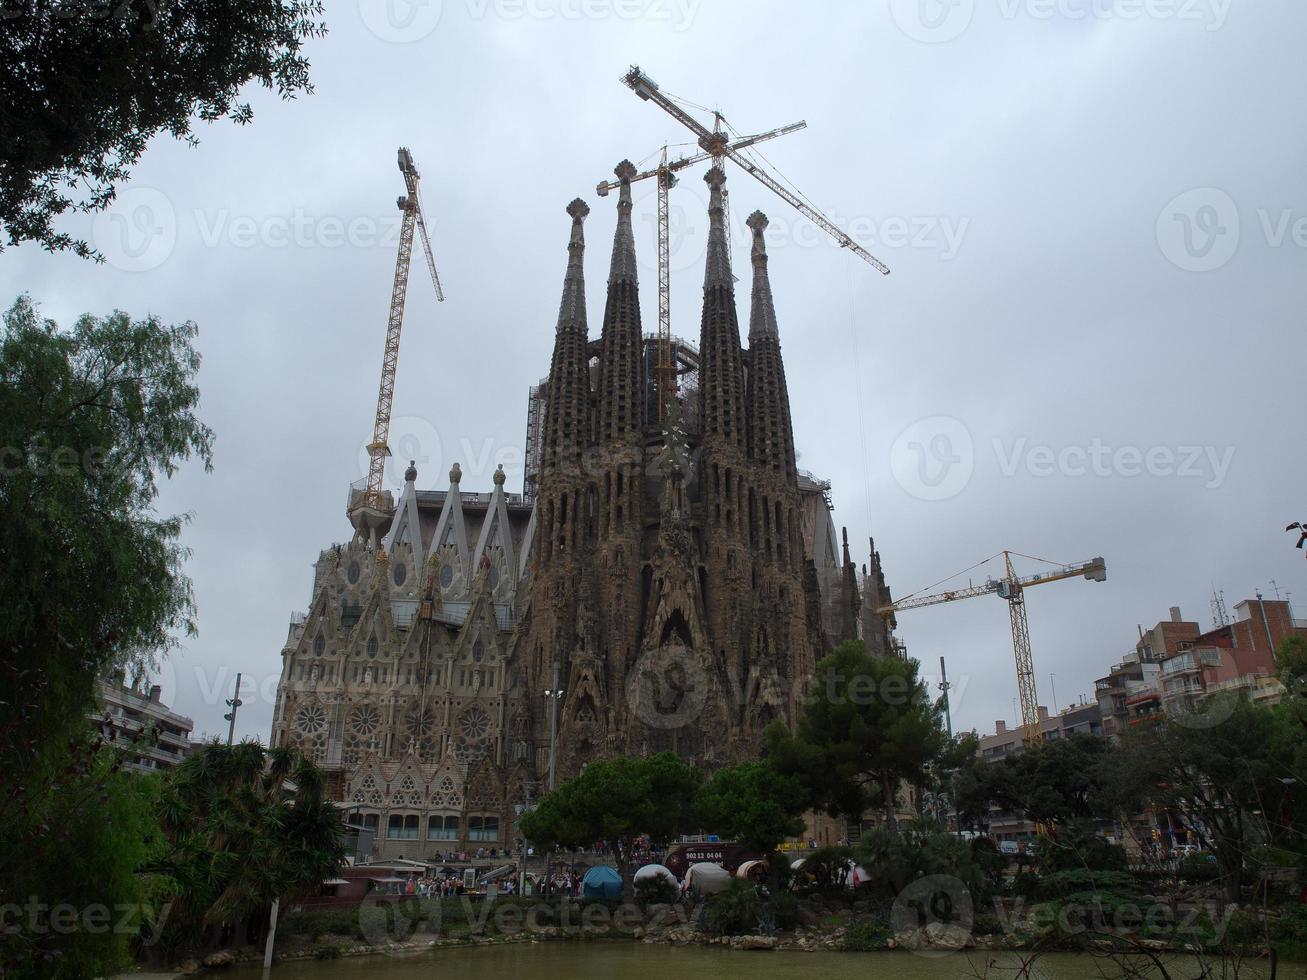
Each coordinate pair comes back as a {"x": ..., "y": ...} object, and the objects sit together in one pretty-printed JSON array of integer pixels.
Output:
[
  {"x": 733, "y": 912},
  {"x": 784, "y": 909},
  {"x": 866, "y": 936},
  {"x": 655, "y": 891}
]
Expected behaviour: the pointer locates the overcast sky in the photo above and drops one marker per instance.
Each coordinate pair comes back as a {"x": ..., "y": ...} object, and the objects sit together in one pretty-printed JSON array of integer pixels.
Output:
[{"x": 1090, "y": 343}]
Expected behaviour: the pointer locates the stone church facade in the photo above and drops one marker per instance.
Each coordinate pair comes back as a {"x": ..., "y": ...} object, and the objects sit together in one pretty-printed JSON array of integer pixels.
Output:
[{"x": 672, "y": 569}]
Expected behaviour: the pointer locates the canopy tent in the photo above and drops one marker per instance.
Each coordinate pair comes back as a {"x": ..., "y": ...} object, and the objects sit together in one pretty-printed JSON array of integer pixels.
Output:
[
  {"x": 751, "y": 869},
  {"x": 601, "y": 881},
  {"x": 706, "y": 879},
  {"x": 656, "y": 871},
  {"x": 858, "y": 875}
]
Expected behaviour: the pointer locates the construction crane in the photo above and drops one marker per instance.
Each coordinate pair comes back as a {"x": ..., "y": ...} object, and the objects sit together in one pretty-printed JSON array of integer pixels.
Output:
[
  {"x": 410, "y": 206},
  {"x": 716, "y": 143},
  {"x": 665, "y": 172},
  {"x": 1012, "y": 588}
]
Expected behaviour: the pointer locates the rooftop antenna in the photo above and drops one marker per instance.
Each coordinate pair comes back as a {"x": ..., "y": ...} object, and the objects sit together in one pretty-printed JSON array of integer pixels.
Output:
[{"x": 1220, "y": 617}]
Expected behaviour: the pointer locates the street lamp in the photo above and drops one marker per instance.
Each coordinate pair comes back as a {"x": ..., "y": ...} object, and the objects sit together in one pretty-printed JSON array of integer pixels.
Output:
[
  {"x": 233, "y": 702},
  {"x": 553, "y": 693}
]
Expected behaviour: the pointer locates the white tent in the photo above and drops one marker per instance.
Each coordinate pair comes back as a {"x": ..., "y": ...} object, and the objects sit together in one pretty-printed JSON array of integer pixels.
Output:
[
  {"x": 858, "y": 875},
  {"x": 706, "y": 879},
  {"x": 650, "y": 871},
  {"x": 751, "y": 867}
]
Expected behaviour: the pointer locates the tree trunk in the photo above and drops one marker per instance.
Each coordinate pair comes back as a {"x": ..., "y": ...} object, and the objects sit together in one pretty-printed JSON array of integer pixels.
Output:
[{"x": 887, "y": 784}]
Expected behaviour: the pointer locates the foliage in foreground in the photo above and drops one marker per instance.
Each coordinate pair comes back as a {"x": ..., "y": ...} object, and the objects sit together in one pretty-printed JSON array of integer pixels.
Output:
[
  {"x": 86, "y": 85},
  {"x": 90, "y": 418},
  {"x": 243, "y": 825}
]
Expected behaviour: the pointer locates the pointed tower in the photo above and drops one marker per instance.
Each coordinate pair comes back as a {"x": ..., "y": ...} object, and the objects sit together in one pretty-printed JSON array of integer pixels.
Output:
[
  {"x": 721, "y": 370},
  {"x": 618, "y": 464},
  {"x": 567, "y": 413},
  {"x": 877, "y": 630},
  {"x": 771, "y": 435},
  {"x": 621, "y": 395}
]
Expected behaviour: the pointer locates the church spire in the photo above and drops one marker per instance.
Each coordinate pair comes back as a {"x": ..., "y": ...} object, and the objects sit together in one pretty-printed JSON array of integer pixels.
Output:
[
  {"x": 566, "y": 413},
  {"x": 621, "y": 401},
  {"x": 721, "y": 369},
  {"x": 762, "y": 315},
  {"x": 771, "y": 431},
  {"x": 622, "y": 268}
]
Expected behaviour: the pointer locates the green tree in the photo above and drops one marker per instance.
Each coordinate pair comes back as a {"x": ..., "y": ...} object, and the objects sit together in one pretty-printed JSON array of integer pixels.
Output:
[
  {"x": 1052, "y": 783},
  {"x": 89, "y": 419},
  {"x": 100, "y": 825},
  {"x": 1233, "y": 784},
  {"x": 85, "y": 85},
  {"x": 243, "y": 825},
  {"x": 618, "y": 800},
  {"x": 869, "y": 725},
  {"x": 752, "y": 804}
]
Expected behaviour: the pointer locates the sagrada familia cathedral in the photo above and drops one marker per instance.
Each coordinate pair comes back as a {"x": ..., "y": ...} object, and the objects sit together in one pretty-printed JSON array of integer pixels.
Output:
[{"x": 668, "y": 579}]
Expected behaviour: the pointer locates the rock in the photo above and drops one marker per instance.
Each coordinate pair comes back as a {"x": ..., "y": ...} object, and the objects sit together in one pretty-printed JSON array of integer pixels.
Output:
[
  {"x": 808, "y": 918},
  {"x": 190, "y": 966},
  {"x": 948, "y": 936},
  {"x": 754, "y": 942},
  {"x": 861, "y": 905},
  {"x": 221, "y": 959}
]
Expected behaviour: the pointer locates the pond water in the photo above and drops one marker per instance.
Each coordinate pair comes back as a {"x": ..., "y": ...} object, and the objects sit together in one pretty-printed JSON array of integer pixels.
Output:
[{"x": 636, "y": 961}]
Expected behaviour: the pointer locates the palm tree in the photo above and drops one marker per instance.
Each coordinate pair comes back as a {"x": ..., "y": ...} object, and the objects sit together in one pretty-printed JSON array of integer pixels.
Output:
[{"x": 245, "y": 825}]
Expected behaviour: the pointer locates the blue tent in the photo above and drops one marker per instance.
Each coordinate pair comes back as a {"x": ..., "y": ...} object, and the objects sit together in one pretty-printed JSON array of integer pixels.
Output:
[{"x": 601, "y": 881}]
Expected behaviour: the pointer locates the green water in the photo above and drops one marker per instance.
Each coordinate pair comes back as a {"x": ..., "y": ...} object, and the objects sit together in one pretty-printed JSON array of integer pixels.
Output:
[{"x": 636, "y": 961}]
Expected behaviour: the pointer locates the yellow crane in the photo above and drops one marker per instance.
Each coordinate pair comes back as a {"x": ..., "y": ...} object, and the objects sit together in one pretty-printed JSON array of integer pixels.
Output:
[
  {"x": 716, "y": 143},
  {"x": 665, "y": 172},
  {"x": 410, "y": 206},
  {"x": 719, "y": 144},
  {"x": 1012, "y": 588}
]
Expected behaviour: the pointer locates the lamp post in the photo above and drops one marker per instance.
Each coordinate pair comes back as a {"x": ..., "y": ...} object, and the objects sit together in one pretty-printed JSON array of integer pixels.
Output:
[
  {"x": 553, "y": 693},
  {"x": 233, "y": 702}
]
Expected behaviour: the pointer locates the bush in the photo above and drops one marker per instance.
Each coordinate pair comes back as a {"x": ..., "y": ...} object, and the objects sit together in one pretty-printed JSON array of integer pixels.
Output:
[
  {"x": 866, "y": 936},
  {"x": 784, "y": 909},
  {"x": 733, "y": 912},
  {"x": 655, "y": 891}
]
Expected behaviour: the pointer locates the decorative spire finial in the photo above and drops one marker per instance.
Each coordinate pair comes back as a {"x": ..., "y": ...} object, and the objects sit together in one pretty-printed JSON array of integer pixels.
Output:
[
  {"x": 572, "y": 308},
  {"x": 623, "y": 264},
  {"x": 762, "y": 312},
  {"x": 455, "y": 474},
  {"x": 411, "y": 474},
  {"x": 500, "y": 476},
  {"x": 717, "y": 271}
]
